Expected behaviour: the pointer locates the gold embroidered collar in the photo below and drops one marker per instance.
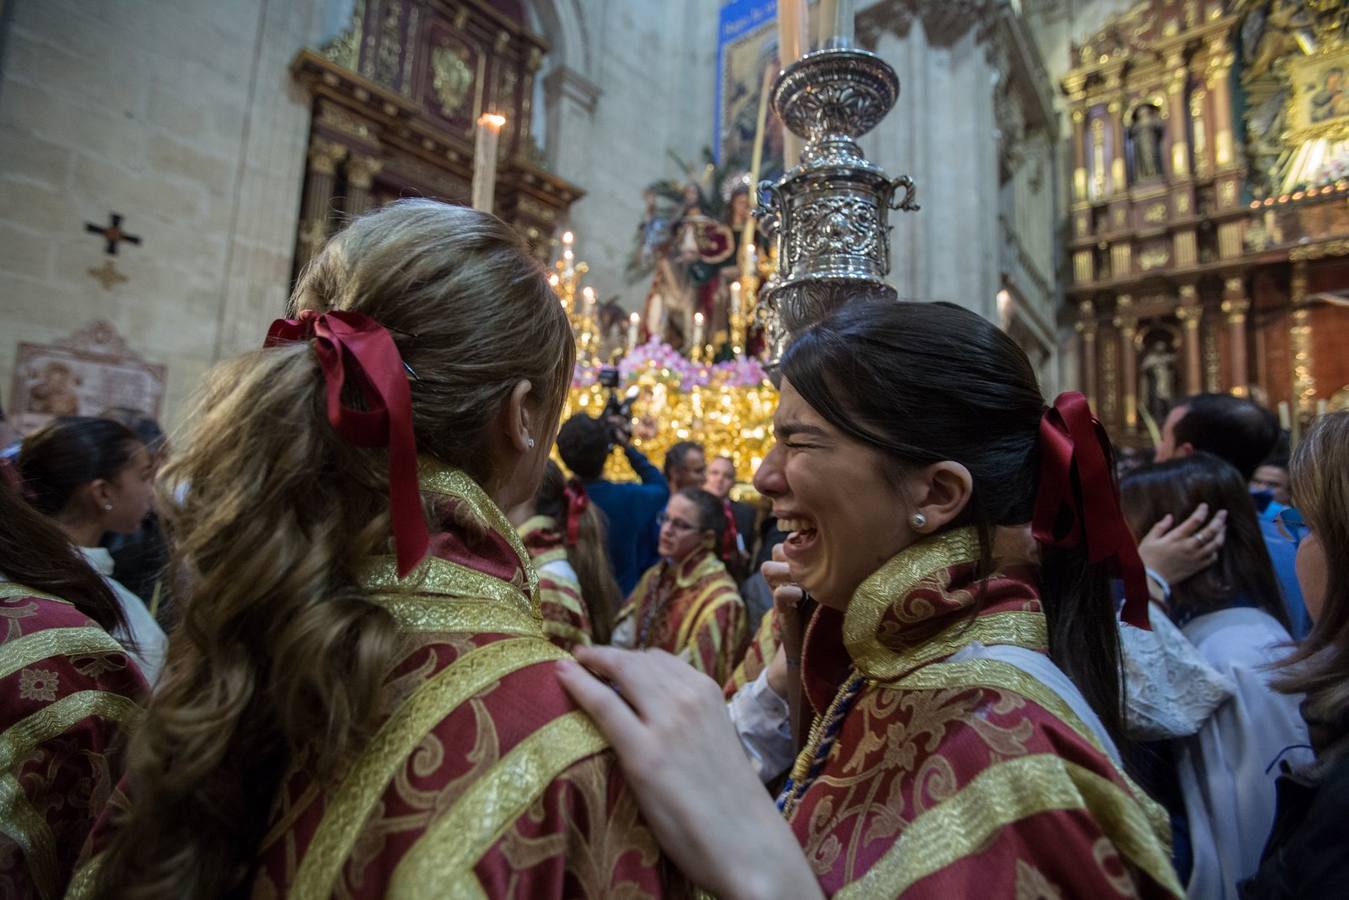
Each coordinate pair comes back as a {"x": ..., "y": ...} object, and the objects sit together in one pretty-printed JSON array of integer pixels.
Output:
[
  {"x": 695, "y": 567},
  {"x": 893, "y": 623},
  {"x": 480, "y": 602}
]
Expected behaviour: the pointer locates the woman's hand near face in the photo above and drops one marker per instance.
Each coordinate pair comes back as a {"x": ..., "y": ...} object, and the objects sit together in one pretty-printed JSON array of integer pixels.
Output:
[
  {"x": 1177, "y": 553},
  {"x": 697, "y": 791}
]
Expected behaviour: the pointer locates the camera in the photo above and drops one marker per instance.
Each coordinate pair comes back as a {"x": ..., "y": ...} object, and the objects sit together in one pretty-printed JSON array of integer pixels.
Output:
[{"x": 622, "y": 408}]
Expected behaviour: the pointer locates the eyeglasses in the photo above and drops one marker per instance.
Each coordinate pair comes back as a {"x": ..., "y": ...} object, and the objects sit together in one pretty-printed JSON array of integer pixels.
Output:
[
  {"x": 678, "y": 525},
  {"x": 1291, "y": 524}
]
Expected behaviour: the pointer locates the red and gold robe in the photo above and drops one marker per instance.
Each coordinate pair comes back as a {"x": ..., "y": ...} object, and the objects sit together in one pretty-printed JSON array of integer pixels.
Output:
[
  {"x": 67, "y": 690},
  {"x": 566, "y": 620},
  {"x": 484, "y": 779},
  {"x": 959, "y": 778},
  {"x": 692, "y": 610},
  {"x": 759, "y": 654}
]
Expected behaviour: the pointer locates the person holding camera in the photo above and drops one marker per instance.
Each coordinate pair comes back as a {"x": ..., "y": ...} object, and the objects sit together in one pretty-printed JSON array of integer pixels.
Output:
[{"x": 584, "y": 443}]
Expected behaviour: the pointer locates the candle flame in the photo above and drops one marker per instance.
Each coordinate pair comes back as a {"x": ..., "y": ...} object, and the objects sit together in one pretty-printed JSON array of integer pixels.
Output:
[
  {"x": 698, "y": 317},
  {"x": 589, "y": 292},
  {"x": 568, "y": 237},
  {"x": 634, "y": 318},
  {"x": 492, "y": 120}
]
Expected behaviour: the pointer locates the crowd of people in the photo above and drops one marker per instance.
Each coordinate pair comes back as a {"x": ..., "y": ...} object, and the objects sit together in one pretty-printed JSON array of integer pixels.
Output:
[{"x": 366, "y": 628}]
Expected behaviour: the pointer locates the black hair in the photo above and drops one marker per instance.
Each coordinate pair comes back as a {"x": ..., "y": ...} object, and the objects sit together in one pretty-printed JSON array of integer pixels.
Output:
[
  {"x": 146, "y": 427},
  {"x": 711, "y": 515},
  {"x": 1234, "y": 429},
  {"x": 927, "y": 382},
  {"x": 675, "y": 456},
  {"x": 69, "y": 452},
  {"x": 1243, "y": 568},
  {"x": 583, "y": 443}
]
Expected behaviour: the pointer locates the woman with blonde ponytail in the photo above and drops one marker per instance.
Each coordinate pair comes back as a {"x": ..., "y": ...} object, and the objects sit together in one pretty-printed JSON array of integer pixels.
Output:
[{"x": 360, "y": 699}]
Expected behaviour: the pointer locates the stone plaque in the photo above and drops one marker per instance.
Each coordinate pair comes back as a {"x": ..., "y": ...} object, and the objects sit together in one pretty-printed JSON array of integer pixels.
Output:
[{"x": 82, "y": 375}]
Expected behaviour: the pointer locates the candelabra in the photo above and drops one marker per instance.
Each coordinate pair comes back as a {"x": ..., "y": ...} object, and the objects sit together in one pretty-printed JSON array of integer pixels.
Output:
[
  {"x": 566, "y": 281},
  {"x": 829, "y": 214}
]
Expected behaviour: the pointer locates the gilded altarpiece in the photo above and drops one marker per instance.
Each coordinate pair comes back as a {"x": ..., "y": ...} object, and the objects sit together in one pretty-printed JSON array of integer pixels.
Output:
[
  {"x": 1209, "y": 228},
  {"x": 395, "y": 100}
]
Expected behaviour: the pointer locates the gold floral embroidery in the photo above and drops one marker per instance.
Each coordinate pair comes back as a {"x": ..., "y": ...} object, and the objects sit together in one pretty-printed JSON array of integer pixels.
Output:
[
  {"x": 999, "y": 796},
  {"x": 23, "y": 652},
  {"x": 435, "y": 477},
  {"x": 443, "y": 858},
  {"x": 38, "y": 684},
  {"x": 26, "y": 827},
  {"x": 592, "y": 855},
  {"x": 892, "y": 583},
  {"x": 1032, "y": 884},
  {"x": 350, "y": 808},
  {"x": 435, "y": 576}
]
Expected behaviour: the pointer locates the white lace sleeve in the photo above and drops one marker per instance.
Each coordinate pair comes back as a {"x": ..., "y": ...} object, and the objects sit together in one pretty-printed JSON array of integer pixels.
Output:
[
  {"x": 762, "y": 722},
  {"x": 1170, "y": 692}
]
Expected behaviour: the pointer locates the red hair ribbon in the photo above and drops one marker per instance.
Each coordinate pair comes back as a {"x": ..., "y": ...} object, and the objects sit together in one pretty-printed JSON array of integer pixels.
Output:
[
  {"x": 728, "y": 542},
  {"x": 352, "y": 344},
  {"x": 1077, "y": 504},
  {"x": 578, "y": 501}
]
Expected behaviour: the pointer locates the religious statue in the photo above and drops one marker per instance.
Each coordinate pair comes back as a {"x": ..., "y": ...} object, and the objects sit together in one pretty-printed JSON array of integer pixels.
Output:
[
  {"x": 1158, "y": 366},
  {"x": 1145, "y": 136}
]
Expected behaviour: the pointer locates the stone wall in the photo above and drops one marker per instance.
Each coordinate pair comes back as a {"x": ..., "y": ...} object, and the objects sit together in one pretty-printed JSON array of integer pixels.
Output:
[{"x": 182, "y": 118}]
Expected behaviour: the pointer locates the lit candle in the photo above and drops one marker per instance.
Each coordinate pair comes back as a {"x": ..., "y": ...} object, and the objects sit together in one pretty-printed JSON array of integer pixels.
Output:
[
  {"x": 588, "y": 304},
  {"x": 735, "y": 301},
  {"x": 1285, "y": 418},
  {"x": 791, "y": 31},
  {"x": 697, "y": 335},
  {"x": 634, "y": 330},
  {"x": 1321, "y": 407},
  {"x": 485, "y": 160}
]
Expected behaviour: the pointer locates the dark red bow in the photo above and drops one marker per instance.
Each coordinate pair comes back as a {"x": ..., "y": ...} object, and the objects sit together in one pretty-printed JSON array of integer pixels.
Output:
[
  {"x": 728, "y": 540},
  {"x": 345, "y": 339},
  {"x": 1077, "y": 504},
  {"x": 578, "y": 501}
]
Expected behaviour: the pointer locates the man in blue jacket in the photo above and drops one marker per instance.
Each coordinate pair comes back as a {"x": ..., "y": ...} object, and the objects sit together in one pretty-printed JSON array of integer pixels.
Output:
[{"x": 631, "y": 509}]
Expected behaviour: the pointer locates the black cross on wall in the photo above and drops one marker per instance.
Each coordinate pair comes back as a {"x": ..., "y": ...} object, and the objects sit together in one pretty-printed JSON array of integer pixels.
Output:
[{"x": 112, "y": 233}]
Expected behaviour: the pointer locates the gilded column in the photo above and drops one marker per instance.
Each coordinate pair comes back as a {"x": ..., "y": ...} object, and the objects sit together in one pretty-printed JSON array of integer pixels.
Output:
[
  {"x": 1074, "y": 85},
  {"x": 1220, "y": 59},
  {"x": 1235, "y": 306},
  {"x": 1119, "y": 183},
  {"x": 1203, "y": 156},
  {"x": 1175, "y": 90},
  {"x": 1190, "y": 313},
  {"x": 1086, "y": 331},
  {"x": 1300, "y": 340},
  {"x": 324, "y": 156},
  {"x": 1127, "y": 323},
  {"x": 361, "y": 172}
]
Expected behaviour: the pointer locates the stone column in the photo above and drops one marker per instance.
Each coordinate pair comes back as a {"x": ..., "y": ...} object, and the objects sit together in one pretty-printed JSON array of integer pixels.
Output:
[
  {"x": 1175, "y": 92},
  {"x": 1220, "y": 59},
  {"x": 1126, "y": 320},
  {"x": 1086, "y": 331},
  {"x": 324, "y": 155},
  {"x": 361, "y": 172},
  {"x": 1190, "y": 314},
  {"x": 1235, "y": 306}
]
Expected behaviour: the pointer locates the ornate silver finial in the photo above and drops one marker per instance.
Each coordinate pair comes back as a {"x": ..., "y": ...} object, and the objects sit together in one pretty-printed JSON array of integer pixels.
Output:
[{"x": 829, "y": 213}]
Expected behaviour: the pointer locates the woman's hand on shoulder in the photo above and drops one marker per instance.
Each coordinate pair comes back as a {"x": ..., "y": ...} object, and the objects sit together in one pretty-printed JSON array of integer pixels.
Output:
[{"x": 680, "y": 754}]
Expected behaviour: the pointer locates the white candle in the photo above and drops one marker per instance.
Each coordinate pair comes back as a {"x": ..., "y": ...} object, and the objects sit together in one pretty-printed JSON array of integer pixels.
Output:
[
  {"x": 791, "y": 31},
  {"x": 697, "y": 347},
  {"x": 1321, "y": 407},
  {"x": 1285, "y": 419},
  {"x": 485, "y": 161},
  {"x": 735, "y": 299},
  {"x": 588, "y": 302},
  {"x": 634, "y": 330}
]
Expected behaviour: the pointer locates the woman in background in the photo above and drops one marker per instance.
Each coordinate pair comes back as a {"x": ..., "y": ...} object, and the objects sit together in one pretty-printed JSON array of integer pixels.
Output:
[
  {"x": 1233, "y": 614},
  {"x": 93, "y": 476},
  {"x": 1307, "y": 854},
  {"x": 687, "y": 604},
  {"x": 66, "y": 691},
  {"x": 564, "y": 534}
]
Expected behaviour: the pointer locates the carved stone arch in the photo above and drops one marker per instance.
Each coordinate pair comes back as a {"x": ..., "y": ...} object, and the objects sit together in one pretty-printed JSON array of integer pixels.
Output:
[{"x": 567, "y": 31}]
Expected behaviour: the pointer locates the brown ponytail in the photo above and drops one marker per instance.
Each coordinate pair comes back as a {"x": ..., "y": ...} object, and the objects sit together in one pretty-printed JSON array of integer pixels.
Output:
[
  {"x": 586, "y": 554},
  {"x": 279, "y": 659}
]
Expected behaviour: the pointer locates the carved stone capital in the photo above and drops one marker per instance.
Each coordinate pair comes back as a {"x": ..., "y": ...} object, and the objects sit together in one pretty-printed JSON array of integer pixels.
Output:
[
  {"x": 944, "y": 21},
  {"x": 569, "y": 84},
  {"x": 362, "y": 169},
  {"x": 324, "y": 155}
]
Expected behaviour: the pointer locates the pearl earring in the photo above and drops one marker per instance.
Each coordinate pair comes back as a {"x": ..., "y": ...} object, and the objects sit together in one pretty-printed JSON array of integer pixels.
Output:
[
  {"x": 917, "y": 520},
  {"x": 531, "y": 443},
  {"x": 107, "y": 507}
]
